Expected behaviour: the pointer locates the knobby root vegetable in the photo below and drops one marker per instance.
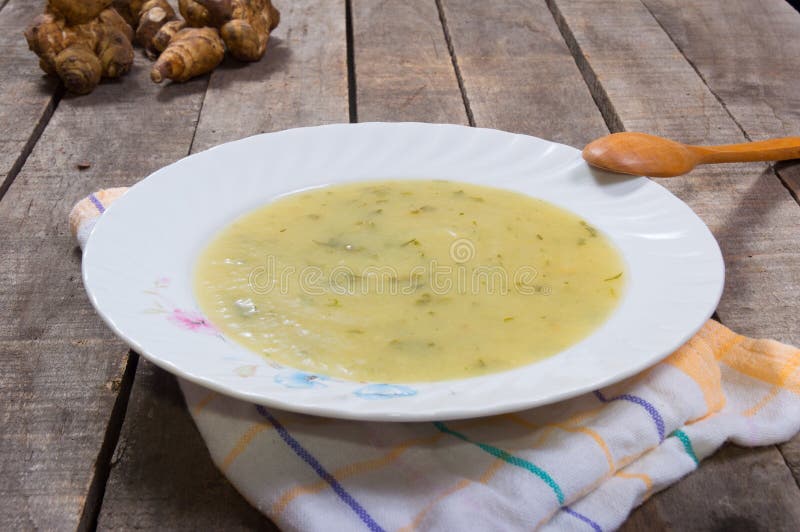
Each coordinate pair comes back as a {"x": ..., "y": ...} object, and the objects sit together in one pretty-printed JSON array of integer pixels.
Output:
[
  {"x": 78, "y": 11},
  {"x": 154, "y": 14},
  {"x": 244, "y": 25},
  {"x": 83, "y": 41},
  {"x": 82, "y": 54},
  {"x": 147, "y": 18},
  {"x": 191, "y": 52},
  {"x": 166, "y": 33},
  {"x": 125, "y": 10}
]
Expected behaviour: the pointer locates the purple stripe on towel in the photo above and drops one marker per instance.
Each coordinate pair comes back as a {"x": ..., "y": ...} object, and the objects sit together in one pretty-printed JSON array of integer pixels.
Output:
[
  {"x": 635, "y": 399},
  {"x": 321, "y": 471},
  {"x": 97, "y": 203},
  {"x": 583, "y": 518}
]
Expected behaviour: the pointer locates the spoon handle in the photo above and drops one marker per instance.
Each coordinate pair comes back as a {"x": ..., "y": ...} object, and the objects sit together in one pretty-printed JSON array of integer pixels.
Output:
[{"x": 765, "y": 150}]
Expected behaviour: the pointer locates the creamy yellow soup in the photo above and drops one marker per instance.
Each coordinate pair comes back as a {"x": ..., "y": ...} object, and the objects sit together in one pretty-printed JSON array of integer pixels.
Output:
[{"x": 403, "y": 281}]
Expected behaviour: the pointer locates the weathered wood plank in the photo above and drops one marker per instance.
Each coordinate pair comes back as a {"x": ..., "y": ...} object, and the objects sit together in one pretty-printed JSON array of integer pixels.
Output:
[
  {"x": 301, "y": 81},
  {"x": 162, "y": 476},
  {"x": 60, "y": 366},
  {"x": 403, "y": 67},
  {"x": 518, "y": 74},
  {"x": 749, "y": 55},
  {"x": 643, "y": 82},
  {"x": 720, "y": 499},
  {"x": 791, "y": 453},
  {"x": 27, "y": 97}
]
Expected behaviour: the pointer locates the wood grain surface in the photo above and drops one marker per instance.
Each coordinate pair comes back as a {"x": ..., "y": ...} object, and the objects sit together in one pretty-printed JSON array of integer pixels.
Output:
[
  {"x": 162, "y": 477},
  {"x": 754, "y": 73},
  {"x": 301, "y": 81},
  {"x": 403, "y": 69},
  {"x": 726, "y": 494},
  {"x": 518, "y": 74},
  {"x": 27, "y": 96}
]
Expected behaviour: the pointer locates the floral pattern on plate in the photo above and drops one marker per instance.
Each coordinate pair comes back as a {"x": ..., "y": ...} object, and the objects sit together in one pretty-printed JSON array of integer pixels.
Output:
[{"x": 190, "y": 320}]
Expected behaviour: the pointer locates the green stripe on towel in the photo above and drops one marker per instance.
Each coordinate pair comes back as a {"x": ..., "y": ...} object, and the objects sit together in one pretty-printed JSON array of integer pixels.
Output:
[
  {"x": 687, "y": 444},
  {"x": 508, "y": 458}
]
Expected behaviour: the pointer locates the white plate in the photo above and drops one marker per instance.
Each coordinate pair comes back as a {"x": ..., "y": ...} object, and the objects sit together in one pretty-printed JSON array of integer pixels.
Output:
[{"x": 139, "y": 259}]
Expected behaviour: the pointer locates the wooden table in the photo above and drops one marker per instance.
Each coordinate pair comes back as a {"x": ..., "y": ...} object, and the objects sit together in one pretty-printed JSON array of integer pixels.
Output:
[{"x": 94, "y": 436}]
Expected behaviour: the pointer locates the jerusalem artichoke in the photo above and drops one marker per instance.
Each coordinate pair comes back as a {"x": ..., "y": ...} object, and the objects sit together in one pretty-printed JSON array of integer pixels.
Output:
[
  {"x": 81, "y": 54},
  {"x": 146, "y": 17},
  {"x": 166, "y": 33},
  {"x": 124, "y": 8},
  {"x": 244, "y": 25},
  {"x": 83, "y": 41},
  {"x": 191, "y": 52},
  {"x": 78, "y": 11}
]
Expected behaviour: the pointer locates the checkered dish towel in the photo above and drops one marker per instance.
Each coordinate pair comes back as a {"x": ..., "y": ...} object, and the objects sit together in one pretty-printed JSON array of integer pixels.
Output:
[{"x": 581, "y": 464}]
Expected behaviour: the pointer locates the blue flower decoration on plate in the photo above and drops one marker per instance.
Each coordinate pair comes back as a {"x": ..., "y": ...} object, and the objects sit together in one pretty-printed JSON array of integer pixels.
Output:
[
  {"x": 384, "y": 391},
  {"x": 300, "y": 379}
]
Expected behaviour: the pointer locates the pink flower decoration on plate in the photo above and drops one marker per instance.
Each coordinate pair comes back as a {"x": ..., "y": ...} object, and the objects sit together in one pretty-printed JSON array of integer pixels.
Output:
[{"x": 192, "y": 321}]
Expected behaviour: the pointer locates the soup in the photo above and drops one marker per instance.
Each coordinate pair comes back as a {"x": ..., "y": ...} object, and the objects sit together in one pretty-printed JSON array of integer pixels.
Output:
[{"x": 408, "y": 280}]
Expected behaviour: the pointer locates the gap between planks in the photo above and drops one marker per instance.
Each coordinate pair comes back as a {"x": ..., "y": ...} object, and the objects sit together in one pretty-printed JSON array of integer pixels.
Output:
[
  {"x": 352, "y": 94},
  {"x": 199, "y": 113},
  {"x": 721, "y": 102},
  {"x": 696, "y": 71},
  {"x": 96, "y": 493},
  {"x": 602, "y": 99},
  {"x": 102, "y": 467},
  {"x": 38, "y": 129},
  {"x": 27, "y": 103},
  {"x": 596, "y": 89},
  {"x": 454, "y": 61}
]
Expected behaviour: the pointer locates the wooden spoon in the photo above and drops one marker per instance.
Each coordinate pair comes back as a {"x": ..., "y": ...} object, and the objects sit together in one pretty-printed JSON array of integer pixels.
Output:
[{"x": 642, "y": 154}]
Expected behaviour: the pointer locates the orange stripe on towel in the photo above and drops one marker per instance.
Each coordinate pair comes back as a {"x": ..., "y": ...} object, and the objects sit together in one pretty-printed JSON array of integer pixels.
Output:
[
  {"x": 648, "y": 482},
  {"x": 567, "y": 426},
  {"x": 697, "y": 361},
  {"x": 784, "y": 375},
  {"x": 720, "y": 338},
  {"x": 254, "y": 430},
  {"x": 202, "y": 403},
  {"x": 350, "y": 470},
  {"x": 766, "y": 360},
  {"x": 487, "y": 475},
  {"x": 458, "y": 486},
  {"x": 596, "y": 437}
]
